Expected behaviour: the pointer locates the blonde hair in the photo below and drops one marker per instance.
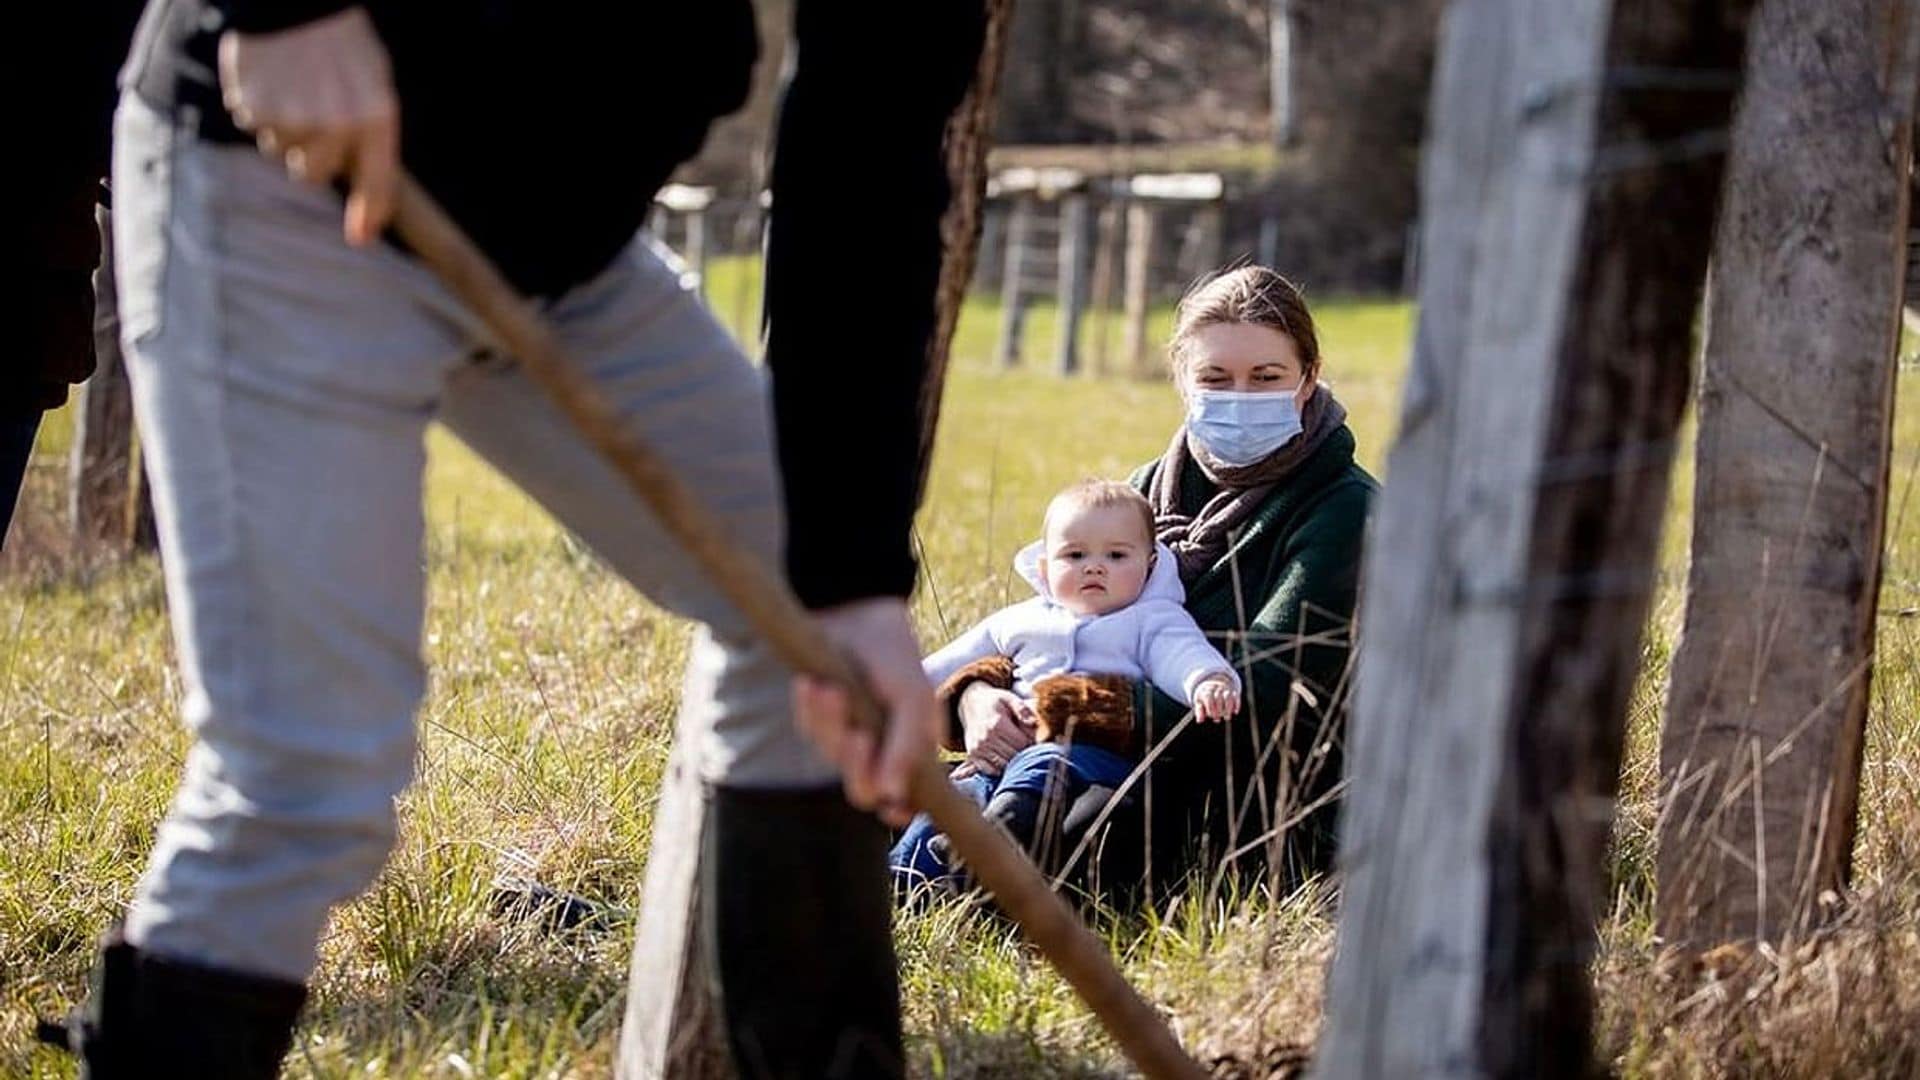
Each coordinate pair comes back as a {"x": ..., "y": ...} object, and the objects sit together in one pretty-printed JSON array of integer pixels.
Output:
[
  {"x": 1095, "y": 494},
  {"x": 1248, "y": 294}
]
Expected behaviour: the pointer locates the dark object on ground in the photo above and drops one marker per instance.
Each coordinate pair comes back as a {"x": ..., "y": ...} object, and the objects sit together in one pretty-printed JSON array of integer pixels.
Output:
[
  {"x": 1282, "y": 1062},
  {"x": 523, "y": 899}
]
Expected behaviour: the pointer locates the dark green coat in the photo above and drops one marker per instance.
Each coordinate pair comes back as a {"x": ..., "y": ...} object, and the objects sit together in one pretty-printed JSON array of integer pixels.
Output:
[{"x": 1281, "y": 604}]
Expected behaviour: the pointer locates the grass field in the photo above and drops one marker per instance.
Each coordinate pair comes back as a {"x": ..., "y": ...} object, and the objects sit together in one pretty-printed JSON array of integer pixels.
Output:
[{"x": 546, "y": 727}]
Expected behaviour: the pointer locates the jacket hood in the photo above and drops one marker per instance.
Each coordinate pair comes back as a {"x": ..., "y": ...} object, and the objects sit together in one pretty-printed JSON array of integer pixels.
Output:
[{"x": 1163, "y": 582}]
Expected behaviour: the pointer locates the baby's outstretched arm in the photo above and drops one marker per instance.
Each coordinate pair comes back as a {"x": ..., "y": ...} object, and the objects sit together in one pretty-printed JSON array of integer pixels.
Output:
[{"x": 1180, "y": 660}]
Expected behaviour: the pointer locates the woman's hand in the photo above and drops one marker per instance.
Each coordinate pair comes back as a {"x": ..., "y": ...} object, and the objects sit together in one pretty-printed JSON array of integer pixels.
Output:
[
  {"x": 1215, "y": 699},
  {"x": 997, "y": 724}
]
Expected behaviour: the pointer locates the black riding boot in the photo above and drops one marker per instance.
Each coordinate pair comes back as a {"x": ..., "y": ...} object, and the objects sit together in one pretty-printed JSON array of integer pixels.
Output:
[
  {"x": 799, "y": 917},
  {"x": 150, "y": 1016}
]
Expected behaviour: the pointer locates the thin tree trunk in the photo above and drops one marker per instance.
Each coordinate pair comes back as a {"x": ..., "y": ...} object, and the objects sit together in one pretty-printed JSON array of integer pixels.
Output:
[
  {"x": 1568, "y": 218},
  {"x": 1760, "y": 757}
]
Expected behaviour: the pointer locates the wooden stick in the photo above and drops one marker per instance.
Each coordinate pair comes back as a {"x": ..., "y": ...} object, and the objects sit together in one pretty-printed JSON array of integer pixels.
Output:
[{"x": 764, "y": 598}]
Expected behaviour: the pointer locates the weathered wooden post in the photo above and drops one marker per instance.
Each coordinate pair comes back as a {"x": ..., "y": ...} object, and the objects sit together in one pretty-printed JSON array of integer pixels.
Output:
[
  {"x": 1150, "y": 193},
  {"x": 1268, "y": 247},
  {"x": 690, "y": 204},
  {"x": 670, "y": 1029},
  {"x": 1013, "y": 291},
  {"x": 993, "y": 245},
  {"x": 1106, "y": 257},
  {"x": 1207, "y": 231},
  {"x": 1410, "y": 262},
  {"x": 1186, "y": 249},
  {"x": 697, "y": 244},
  {"x": 748, "y": 236},
  {"x": 1569, "y": 199},
  {"x": 1199, "y": 247},
  {"x": 1141, "y": 216},
  {"x": 1760, "y": 757},
  {"x": 1070, "y": 282},
  {"x": 1280, "y": 72},
  {"x": 104, "y": 489}
]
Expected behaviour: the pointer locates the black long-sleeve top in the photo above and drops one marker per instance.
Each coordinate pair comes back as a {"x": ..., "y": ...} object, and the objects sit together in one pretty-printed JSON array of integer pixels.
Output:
[
  {"x": 546, "y": 126},
  {"x": 60, "y": 146}
]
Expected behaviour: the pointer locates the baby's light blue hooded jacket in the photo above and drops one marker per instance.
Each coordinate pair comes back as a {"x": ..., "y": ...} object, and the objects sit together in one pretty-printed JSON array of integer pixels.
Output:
[{"x": 1152, "y": 638}]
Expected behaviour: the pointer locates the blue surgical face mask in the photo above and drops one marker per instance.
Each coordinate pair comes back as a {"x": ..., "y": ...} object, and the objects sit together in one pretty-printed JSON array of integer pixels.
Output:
[{"x": 1238, "y": 427}]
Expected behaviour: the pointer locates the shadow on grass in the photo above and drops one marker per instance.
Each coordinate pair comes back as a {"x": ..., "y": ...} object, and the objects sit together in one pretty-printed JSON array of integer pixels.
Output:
[
  {"x": 495, "y": 1002},
  {"x": 979, "y": 1055}
]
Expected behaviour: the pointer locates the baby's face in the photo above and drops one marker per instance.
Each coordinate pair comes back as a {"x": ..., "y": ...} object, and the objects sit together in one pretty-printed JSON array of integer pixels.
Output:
[{"x": 1097, "y": 558}]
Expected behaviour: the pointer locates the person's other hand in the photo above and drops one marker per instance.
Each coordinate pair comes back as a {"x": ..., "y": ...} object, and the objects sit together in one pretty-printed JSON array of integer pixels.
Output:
[
  {"x": 996, "y": 725},
  {"x": 1215, "y": 699},
  {"x": 320, "y": 96},
  {"x": 876, "y": 767}
]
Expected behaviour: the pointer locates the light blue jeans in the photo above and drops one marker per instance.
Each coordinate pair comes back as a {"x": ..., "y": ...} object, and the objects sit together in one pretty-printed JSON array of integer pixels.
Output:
[
  {"x": 284, "y": 383},
  {"x": 1064, "y": 772}
]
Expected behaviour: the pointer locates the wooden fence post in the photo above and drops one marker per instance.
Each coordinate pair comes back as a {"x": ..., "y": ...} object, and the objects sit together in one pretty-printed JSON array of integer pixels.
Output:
[
  {"x": 992, "y": 253},
  {"x": 672, "y": 1028},
  {"x": 104, "y": 490},
  {"x": 1106, "y": 260},
  {"x": 698, "y": 245},
  {"x": 1269, "y": 243},
  {"x": 1207, "y": 230},
  {"x": 1510, "y": 568},
  {"x": 1760, "y": 756},
  {"x": 1141, "y": 217},
  {"x": 748, "y": 236},
  {"x": 1013, "y": 285},
  {"x": 1071, "y": 283},
  {"x": 1280, "y": 102}
]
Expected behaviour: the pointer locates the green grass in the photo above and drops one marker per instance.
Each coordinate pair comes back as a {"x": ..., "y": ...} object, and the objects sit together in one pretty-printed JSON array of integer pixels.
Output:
[{"x": 546, "y": 727}]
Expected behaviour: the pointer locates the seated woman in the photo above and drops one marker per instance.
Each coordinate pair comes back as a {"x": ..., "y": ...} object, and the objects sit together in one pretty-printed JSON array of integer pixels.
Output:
[{"x": 1261, "y": 502}]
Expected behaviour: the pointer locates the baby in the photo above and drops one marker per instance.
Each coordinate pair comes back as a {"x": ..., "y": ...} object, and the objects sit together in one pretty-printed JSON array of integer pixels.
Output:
[{"x": 1107, "y": 604}]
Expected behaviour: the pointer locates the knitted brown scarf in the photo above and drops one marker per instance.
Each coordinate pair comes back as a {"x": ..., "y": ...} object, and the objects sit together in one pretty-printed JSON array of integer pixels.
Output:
[{"x": 1200, "y": 541}]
